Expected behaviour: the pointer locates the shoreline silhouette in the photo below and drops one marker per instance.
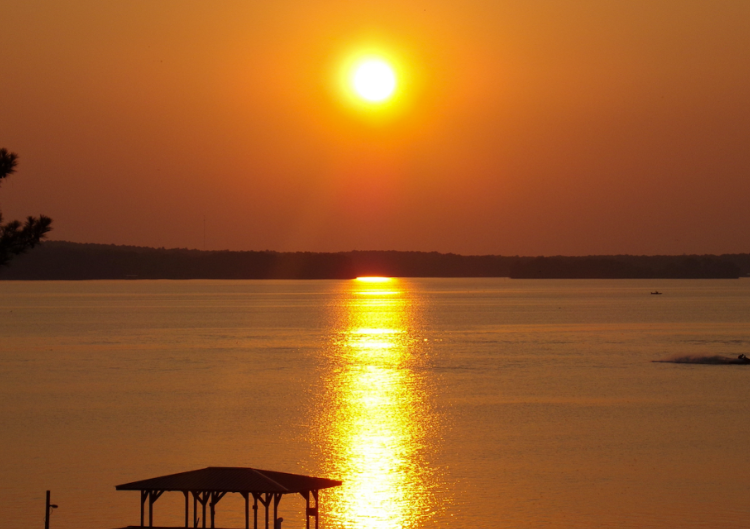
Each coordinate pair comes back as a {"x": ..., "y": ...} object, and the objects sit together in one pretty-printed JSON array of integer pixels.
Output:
[
  {"x": 61, "y": 260},
  {"x": 717, "y": 360}
]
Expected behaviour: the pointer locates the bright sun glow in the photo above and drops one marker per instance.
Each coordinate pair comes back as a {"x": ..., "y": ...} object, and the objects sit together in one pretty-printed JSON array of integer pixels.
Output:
[
  {"x": 374, "y": 80},
  {"x": 374, "y": 279}
]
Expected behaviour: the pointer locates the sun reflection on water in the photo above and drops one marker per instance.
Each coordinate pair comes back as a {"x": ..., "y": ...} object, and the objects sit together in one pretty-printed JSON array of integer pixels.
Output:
[{"x": 375, "y": 422}]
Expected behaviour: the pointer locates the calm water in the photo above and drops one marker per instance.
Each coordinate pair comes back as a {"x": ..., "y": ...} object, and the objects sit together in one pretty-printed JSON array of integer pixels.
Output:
[{"x": 465, "y": 403}]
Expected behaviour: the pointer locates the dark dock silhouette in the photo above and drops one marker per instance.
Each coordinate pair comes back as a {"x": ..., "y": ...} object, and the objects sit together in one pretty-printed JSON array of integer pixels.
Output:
[{"x": 209, "y": 485}]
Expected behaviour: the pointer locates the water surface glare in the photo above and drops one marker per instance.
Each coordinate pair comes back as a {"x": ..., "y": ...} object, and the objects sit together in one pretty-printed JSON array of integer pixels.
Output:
[
  {"x": 441, "y": 403},
  {"x": 375, "y": 419}
]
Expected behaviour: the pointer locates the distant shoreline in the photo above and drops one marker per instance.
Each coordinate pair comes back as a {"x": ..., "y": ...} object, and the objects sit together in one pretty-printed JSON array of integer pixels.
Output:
[{"x": 61, "y": 260}]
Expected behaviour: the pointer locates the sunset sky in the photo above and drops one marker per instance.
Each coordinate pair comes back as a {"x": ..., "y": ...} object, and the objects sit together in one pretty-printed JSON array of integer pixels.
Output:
[{"x": 516, "y": 127}]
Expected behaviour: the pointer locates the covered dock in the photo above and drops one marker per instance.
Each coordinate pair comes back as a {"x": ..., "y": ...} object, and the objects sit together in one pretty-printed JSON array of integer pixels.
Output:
[{"x": 209, "y": 485}]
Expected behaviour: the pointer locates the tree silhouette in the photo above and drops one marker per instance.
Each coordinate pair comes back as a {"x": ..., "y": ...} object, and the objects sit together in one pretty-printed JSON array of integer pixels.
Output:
[{"x": 17, "y": 237}]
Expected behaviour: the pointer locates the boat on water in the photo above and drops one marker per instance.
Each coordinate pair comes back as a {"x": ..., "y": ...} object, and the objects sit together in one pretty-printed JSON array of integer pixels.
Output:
[{"x": 656, "y": 293}]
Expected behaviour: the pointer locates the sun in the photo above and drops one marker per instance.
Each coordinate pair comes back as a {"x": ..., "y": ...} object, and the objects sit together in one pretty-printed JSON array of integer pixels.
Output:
[{"x": 374, "y": 80}]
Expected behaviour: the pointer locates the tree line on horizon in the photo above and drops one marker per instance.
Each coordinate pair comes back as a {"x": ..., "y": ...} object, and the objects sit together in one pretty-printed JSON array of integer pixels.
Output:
[{"x": 58, "y": 260}]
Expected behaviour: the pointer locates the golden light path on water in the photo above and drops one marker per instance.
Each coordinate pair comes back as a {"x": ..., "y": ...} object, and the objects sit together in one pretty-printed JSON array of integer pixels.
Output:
[{"x": 377, "y": 424}]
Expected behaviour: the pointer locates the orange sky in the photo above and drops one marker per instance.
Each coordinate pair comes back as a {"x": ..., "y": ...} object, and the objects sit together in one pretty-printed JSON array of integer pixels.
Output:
[{"x": 520, "y": 127}]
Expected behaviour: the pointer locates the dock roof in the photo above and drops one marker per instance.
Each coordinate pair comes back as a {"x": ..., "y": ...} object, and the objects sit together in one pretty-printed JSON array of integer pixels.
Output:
[{"x": 233, "y": 479}]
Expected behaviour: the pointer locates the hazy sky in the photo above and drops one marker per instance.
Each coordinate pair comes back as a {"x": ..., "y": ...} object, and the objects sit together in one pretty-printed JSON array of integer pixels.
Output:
[{"x": 518, "y": 127}]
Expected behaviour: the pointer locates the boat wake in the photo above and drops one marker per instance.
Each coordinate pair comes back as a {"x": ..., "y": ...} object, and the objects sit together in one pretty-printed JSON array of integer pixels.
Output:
[{"x": 697, "y": 359}]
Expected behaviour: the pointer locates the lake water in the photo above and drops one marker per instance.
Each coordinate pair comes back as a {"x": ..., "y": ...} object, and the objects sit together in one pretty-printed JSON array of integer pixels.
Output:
[{"x": 441, "y": 403}]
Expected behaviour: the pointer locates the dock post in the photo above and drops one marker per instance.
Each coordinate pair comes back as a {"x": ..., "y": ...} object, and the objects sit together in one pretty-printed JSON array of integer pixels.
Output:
[
  {"x": 46, "y": 515},
  {"x": 50, "y": 506}
]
